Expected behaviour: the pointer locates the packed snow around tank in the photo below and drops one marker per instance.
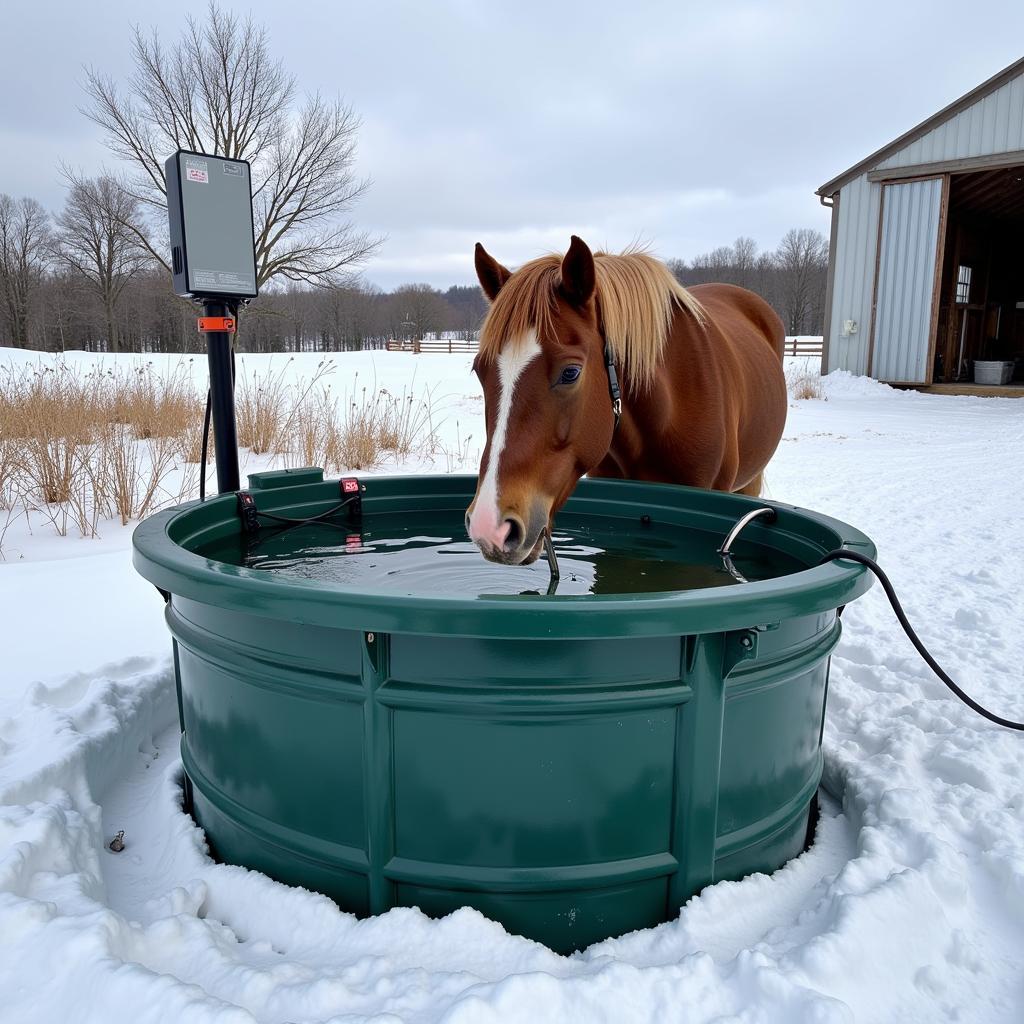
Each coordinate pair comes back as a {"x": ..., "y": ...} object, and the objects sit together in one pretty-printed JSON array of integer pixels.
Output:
[{"x": 909, "y": 906}]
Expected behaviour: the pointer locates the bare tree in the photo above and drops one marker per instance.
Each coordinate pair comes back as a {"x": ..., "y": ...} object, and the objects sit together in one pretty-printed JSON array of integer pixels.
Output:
[
  {"x": 802, "y": 261},
  {"x": 93, "y": 240},
  {"x": 745, "y": 252},
  {"x": 792, "y": 279},
  {"x": 765, "y": 280},
  {"x": 296, "y": 309},
  {"x": 468, "y": 307},
  {"x": 726, "y": 264},
  {"x": 418, "y": 310},
  {"x": 744, "y": 261},
  {"x": 348, "y": 316},
  {"x": 716, "y": 265},
  {"x": 24, "y": 238},
  {"x": 217, "y": 90}
]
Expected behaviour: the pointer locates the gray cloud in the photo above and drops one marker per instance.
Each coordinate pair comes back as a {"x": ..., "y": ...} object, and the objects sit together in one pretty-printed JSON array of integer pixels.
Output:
[{"x": 683, "y": 124}]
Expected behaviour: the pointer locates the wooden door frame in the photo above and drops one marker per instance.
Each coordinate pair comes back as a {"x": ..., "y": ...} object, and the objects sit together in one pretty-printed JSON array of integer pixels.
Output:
[{"x": 940, "y": 255}]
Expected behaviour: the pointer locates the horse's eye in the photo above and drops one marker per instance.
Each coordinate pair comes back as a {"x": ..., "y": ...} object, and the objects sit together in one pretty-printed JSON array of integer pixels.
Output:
[{"x": 570, "y": 374}]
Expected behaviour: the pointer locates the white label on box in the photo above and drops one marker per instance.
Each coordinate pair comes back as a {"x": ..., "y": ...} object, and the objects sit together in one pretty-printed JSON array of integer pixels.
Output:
[
  {"x": 222, "y": 279},
  {"x": 195, "y": 170}
]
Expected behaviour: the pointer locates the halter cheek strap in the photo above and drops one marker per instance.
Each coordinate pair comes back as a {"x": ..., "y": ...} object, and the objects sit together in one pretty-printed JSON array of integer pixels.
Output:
[{"x": 613, "y": 383}]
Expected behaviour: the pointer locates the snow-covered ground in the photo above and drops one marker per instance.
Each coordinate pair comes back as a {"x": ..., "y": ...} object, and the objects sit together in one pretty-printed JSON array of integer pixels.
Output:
[{"x": 909, "y": 907}]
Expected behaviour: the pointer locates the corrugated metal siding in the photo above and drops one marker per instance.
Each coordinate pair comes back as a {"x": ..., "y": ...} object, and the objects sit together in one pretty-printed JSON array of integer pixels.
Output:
[
  {"x": 906, "y": 277},
  {"x": 994, "y": 124},
  {"x": 854, "y": 275}
]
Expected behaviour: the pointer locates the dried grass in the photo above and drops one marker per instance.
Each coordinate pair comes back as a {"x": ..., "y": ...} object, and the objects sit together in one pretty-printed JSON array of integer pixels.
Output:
[
  {"x": 80, "y": 448},
  {"x": 127, "y": 476},
  {"x": 77, "y": 449},
  {"x": 359, "y": 431},
  {"x": 10, "y": 451},
  {"x": 156, "y": 406},
  {"x": 458, "y": 456},
  {"x": 803, "y": 383},
  {"x": 405, "y": 423},
  {"x": 51, "y": 415},
  {"x": 263, "y": 405},
  {"x": 314, "y": 431}
]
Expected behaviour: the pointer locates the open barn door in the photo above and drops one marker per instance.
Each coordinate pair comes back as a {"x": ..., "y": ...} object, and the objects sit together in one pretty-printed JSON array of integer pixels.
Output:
[{"x": 910, "y": 250}]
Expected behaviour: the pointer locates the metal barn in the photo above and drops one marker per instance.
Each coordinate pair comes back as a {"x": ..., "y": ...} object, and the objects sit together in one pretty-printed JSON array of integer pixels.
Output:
[{"x": 926, "y": 262}]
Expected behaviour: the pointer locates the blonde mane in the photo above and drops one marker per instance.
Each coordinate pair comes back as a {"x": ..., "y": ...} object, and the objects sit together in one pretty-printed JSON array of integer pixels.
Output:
[{"x": 636, "y": 298}]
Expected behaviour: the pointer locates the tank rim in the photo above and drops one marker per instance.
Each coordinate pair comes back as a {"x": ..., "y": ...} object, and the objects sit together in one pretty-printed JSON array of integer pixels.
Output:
[{"x": 173, "y": 568}]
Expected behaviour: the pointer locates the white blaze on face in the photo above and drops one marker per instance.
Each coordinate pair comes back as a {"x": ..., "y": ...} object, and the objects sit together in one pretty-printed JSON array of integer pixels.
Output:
[{"x": 486, "y": 523}]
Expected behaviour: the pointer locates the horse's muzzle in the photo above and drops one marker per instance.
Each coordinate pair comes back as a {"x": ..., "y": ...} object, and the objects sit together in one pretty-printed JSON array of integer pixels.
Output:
[{"x": 513, "y": 542}]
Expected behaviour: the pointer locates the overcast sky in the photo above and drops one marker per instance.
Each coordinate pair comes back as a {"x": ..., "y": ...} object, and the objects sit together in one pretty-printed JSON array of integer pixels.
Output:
[{"x": 517, "y": 124}]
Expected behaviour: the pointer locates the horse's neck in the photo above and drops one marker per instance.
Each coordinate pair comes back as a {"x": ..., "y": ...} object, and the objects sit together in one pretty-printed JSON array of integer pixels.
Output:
[
  {"x": 654, "y": 406},
  {"x": 637, "y": 442},
  {"x": 651, "y": 439}
]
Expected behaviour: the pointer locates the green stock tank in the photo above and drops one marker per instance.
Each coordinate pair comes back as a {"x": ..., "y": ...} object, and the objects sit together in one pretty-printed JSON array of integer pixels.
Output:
[{"x": 370, "y": 710}]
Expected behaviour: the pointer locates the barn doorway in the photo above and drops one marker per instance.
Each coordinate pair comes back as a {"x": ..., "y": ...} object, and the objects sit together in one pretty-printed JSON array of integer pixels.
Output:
[{"x": 981, "y": 298}]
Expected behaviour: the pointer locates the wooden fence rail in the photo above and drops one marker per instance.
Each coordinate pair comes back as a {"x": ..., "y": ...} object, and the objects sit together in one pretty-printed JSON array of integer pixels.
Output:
[
  {"x": 803, "y": 346},
  {"x": 448, "y": 345},
  {"x": 794, "y": 346}
]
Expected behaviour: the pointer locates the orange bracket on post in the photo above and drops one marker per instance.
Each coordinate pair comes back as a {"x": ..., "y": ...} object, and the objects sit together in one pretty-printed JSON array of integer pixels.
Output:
[{"x": 208, "y": 324}]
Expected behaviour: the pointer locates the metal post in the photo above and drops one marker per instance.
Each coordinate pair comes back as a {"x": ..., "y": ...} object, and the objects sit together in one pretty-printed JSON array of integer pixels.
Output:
[{"x": 222, "y": 398}]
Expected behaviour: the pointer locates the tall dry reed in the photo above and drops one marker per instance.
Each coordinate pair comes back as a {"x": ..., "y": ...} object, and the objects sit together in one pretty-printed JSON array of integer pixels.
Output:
[
  {"x": 360, "y": 429},
  {"x": 77, "y": 449},
  {"x": 804, "y": 383}
]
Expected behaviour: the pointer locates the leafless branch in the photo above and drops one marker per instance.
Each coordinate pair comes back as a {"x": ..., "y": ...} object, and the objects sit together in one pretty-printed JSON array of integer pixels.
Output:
[
  {"x": 218, "y": 90},
  {"x": 98, "y": 237}
]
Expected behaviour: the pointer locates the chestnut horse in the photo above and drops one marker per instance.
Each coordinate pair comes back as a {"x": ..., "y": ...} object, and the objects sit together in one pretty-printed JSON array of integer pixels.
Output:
[{"x": 606, "y": 365}]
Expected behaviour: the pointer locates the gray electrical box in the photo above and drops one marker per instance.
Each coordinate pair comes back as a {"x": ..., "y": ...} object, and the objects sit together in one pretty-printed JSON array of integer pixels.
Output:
[{"x": 209, "y": 206}]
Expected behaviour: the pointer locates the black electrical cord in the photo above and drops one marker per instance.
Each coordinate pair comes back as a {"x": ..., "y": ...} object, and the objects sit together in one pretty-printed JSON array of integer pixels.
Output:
[
  {"x": 292, "y": 524},
  {"x": 312, "y": 519},
  {"x": 890, "y": 593},
  {"x": 206, "y": 444}
]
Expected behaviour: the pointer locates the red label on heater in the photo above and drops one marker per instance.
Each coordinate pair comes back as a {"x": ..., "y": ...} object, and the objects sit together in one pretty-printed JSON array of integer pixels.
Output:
[
  {"x": 209, "y": 324},
  {"x": 350, "y": 485}
]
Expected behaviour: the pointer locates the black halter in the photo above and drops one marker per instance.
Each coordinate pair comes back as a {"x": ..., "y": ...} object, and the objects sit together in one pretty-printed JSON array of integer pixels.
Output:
[{"x": 613, "y": 383}]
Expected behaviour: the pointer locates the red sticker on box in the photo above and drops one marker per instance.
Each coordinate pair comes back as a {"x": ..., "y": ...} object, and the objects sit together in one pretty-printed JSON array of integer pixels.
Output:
[
  {"x": 196, "y": 170},
  {"x": 350, "y": 485}
]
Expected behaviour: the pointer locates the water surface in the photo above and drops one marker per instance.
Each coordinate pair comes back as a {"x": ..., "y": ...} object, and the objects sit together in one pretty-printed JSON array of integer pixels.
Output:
[{"x": 428, "y": 554}]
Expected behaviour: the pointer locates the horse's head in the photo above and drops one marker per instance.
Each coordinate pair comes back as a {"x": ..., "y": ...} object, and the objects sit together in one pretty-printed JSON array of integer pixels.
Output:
[{"x": 548, "y": 410}]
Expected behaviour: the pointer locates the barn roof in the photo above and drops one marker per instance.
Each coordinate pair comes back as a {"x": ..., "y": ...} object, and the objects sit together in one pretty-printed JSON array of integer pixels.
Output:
[{"x": 954, "y": 108}]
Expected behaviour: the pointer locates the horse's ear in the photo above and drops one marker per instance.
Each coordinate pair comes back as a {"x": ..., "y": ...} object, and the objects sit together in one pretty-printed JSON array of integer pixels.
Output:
[
  {"x": 578, "y": 275},
  {"x": 491, "y": 274}
]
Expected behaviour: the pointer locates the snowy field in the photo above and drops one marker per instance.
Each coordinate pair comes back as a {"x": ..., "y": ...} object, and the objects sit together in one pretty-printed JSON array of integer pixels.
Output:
[{"x": 908, "y": 908}]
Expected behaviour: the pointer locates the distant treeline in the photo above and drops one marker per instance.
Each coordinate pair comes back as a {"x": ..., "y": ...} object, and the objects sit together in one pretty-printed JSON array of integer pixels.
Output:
[
  {"x": 94, "y": 275},
  {"x": 49, "y": 300},
  {"x": 792, "y": 278}
]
